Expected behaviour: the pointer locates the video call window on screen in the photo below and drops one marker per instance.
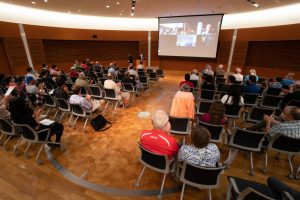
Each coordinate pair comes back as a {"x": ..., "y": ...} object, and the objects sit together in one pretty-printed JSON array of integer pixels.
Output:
[{"x": 192, "y": 36}]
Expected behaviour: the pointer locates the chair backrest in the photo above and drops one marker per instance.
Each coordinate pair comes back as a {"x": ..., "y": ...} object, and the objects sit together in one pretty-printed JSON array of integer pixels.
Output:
[
  {"x": 220, "y": 80},
  {"x": 140, "y": 70},
  {"x": 143, "y": 79},
  {"x": 96, "y": 91},
  {"x": 201, "y": 177},
  {"x": 273, "y": 91},
  {"x": 100, "y": 75},
  {"x": 247, "y": 140},
  {"x": 110, "y": 94},
  {"x": 215, "y": 131},
  {"x": 6, "y": 127},
  {"x": 49, "y": 86},
  {"x": 261, "y": 80},
  {"x": 179, "y": 125},
  {"x": 283, "y": 144},
  {"x": 204, "y": 107},
  {"x": 120, "y": 77},
  {"x": 250, "y": 99},
  {"x": 195, "y": 83},
  {"x": 250, "y": 194},
  {"x": 271, "y": 101},
  {"x": 63, "y": 104},
  {"x": 221, "y": 87},
  {"x": 207, "y": 94},
  {"x": 29, "y": 133},
  {"x": 77, "y": 110},
  {"x": 154, "y": 161},
  {"x": 257, "y": 114},
  {"x": 160, "y": 73},
  {"x": 152, "y": 75},
  {"x": 149, "y": 71},
  {"x": 232, "y": 111},
  {"x": 141, "y": 73},
  {"x": 220, "y": 76},
  {"x": 49, "y": 100},
  {"x": 128, "y": 87}
]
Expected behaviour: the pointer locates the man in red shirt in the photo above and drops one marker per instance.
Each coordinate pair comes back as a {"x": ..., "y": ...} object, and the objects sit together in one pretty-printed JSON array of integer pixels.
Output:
[
  {"x": 186, "y": 81},
  {"x": 158, "y": 140}
]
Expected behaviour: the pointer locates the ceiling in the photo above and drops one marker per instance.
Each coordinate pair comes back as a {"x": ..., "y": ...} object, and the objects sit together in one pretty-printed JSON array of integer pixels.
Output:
[{"x": 149, "y": 8}]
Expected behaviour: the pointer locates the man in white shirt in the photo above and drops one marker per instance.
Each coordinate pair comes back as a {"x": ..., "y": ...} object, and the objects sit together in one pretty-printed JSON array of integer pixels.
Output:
[
  {"x": 194, "y": 75},
  {"x": 110, "y": 84},
  {"x": 238, "y": 76}
]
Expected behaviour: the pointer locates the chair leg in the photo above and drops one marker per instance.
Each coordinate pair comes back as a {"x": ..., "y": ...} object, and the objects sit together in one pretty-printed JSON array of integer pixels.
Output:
[
  {"x": 4, "y": 145},
  {"x": 182, "y": 191},
  {"x": 162, "y": 186},
  {"x": 55, "y": 114},
  {"x": 37, "y": 156},
  {"x": 264, "y": 170},
  {"x": 48, "y": 111},
  {"x": 291, "y": 173},
  {"x": 209, "y": 194},
  {"x": 75, "y": 121},
  {"x": 16, "y": 146},
  {"x": 85, "y": 122},
  {"x": 1, "y": 138},
  {"x": 116, "y": 105},
  {"x": 228, "y": 195},
  {"x": 25, "y": 152},
  {"x": 62, "y": 115},
  {"x": 277, "y": 156},
  {"x": 70, "y": 120},
  {"x": 251, "y": 164},
  {"x": 297, "y": 172},
  {"x": 137, "y": 184},
  {"x": 106, "y": 104},
  {"x": 228, "y": 159}
]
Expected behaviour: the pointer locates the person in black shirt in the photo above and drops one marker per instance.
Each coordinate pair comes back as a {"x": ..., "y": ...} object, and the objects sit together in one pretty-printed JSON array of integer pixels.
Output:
[
  {"x": 208, "y": 83},
  {"x": 62, "y": 90}
]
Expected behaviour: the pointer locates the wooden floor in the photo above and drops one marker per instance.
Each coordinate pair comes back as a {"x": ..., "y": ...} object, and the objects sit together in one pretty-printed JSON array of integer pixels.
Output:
[{"x": 110, "y": 158}]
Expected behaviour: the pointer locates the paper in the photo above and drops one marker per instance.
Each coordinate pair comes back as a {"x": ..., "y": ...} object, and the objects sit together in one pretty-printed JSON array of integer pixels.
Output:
[
  {"x": 51, "y": 92},
  {"x": 10, "y": 89},
  {"x": 47, "y": 122}
]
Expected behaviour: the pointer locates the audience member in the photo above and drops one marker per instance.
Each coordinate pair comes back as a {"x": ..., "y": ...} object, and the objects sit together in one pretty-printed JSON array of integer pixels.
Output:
[
  {"x": 252, "y": 72},
  {"x": 289, "y": 79},
  {"x": 207, "y": 71},
  {"x": 112, "y": 70},
  {"x": 276, "y": 83},
  {"x": 194, "y": 76},
  {"x": 233, "y": 96},
  {"x": 4, "y": 104},
  {"x": 86, "y": 102},
  {"x": 44, "y": 76},
  {"x": 62, "y": 90},
  {"x": 140, "y": 66},
  {"x": 21, "y": 113},
  {"x": 30, "y": 73},
  {"x": 53, "y": 70},
  {"x": 84, "y": 65},
  {"x": 123, "y": 97},
  {"x": 220, "y": 71},
  {"x": 208, "y": 83},
  {"x": 201, "y": 152},
  {"x": 187, "y": 78},
  {"x": 158, "y": 140},
  {"x": 251, "y": 86},
  {"x": 82, "y": 82},
  {"x": 131, "y": 79},
  {"x": 133, "y": 72},
  {"x": 73, "y": 72},
  {"x": 183, "y": 103},
  {"x": 97, "y": 67},
  {"x": 39, "y": 91},
  {"x": 238, "y": 75},
  {"x": 215, "y": 114},
  {"x": 294, "y": 94}
]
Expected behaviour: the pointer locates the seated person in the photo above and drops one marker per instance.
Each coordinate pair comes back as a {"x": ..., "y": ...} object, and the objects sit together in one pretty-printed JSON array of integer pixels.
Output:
[
  {"x": 187, "y": 81},
  {"x": 39, "y": 91},
  {"x": 140, "y": 66},
  {"x": 132, "y": 72},
  {"x": 183, "y": 103},
  {"x": 238, "y": 75},
  {"x": 131, "y": 79},
  {"x": 201, "y": 152},
  {"x": 123, "y": 97},
  {"x": 86, "y": 102},
  {"x": 252, "y": 72},
  {"x": 215, "y": 114},
  {"x": 290, "y": 127},
  {"x": 81, "y": 81},
  {"x": 4, "y": 104},
  {"x": 44, "y": 76},
  {"x": 194, "y": 75},
  {"x": 112, "y": 70},
  {"x": 53, "y": 70},
  {"x": 251, "y": 87},
  {"x": 158, "y": 140},
  {"x": 220, "y": 70},
  {"x": 208, "y": 83},
  {"x": 294, "y": 94},
  {"x": 289, "y": 79},
  {"x": 21, "y": 113},
  {"x": 207, "y": 71},
  {"x": 73, "y": 72},
  {"x": 276, "y": 83},
  {"x": 62, "y": 90},
  {"x": 233, "y": 96},
  {"x": 30, "y": 73}
]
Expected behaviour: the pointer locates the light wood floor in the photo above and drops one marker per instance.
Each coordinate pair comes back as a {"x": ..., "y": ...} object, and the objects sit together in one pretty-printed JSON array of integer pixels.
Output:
[{"x": 110, "y": 158}]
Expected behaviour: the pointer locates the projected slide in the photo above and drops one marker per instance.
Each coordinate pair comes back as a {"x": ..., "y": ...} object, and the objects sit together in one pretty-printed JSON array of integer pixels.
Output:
[{"x": 195, "y": 36}]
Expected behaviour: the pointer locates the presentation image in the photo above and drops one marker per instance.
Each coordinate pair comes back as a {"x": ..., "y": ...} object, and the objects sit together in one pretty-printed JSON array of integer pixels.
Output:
[{"x": 195, "y": 36}]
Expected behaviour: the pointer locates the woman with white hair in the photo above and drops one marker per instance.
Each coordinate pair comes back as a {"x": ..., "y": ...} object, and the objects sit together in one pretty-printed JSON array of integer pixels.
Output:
[
  {"x": 81, "y": 81},
  {"x": 158, "y": 140},
  {"x": 252, "y": 72},
  {"x": 238, "y": 75},
  {"x": 194, "y": 76}
]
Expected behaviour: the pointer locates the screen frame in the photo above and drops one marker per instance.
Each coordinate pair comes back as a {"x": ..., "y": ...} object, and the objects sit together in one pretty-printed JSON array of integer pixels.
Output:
[{"x": 222, "y": 15}]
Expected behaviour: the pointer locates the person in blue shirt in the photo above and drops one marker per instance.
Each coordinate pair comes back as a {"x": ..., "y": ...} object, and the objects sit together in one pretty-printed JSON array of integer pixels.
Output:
[
  {"x": 289, "y": 79},
  {"x": 252, "y": 87},
  {"x": 277, "y": 83},
  {"x": 252, "y": 73}
]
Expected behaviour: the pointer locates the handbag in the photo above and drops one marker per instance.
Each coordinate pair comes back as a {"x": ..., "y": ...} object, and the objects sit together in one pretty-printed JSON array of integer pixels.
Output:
[{"x": 99, "y": 123}]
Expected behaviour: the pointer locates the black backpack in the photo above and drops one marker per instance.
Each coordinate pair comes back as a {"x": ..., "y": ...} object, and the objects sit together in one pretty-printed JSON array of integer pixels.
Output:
[{"x": 99, "y": 123}]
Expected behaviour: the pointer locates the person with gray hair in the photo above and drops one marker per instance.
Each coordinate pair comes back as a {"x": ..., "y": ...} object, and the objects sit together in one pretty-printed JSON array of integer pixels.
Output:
[
  {"x": 81, "y": 81},
  {"x": 158, "y": 140}
]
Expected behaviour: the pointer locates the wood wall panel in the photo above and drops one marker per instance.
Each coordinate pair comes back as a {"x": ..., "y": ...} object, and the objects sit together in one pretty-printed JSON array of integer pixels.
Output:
[
  {"x": 274, "y": 54},
  {"x": 64, "y": 52},
  {"x": 37, "y": 52},
  {"x": 240, "y": 52},
  {"x": 224, "y": 50},
  {"x": 5, "y": 67}
]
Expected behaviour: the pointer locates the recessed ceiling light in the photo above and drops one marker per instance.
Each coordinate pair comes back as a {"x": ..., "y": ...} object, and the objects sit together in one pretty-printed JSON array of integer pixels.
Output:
[
  {"x": 69, "y": 12},
  {"x": 131, "y": 14},
  {"x": 33, "y": 2},
  {"x": 120, "y": 13},
  {"x": 46, "y": 1},
  {"x": 107, "y": 6},
  {"x": 118, "y": 3}
]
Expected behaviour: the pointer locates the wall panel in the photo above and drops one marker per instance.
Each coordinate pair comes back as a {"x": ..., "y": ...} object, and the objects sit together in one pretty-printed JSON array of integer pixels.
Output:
[{"x": 5, "y": 67}]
